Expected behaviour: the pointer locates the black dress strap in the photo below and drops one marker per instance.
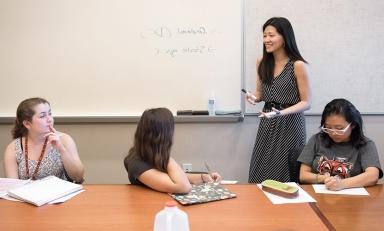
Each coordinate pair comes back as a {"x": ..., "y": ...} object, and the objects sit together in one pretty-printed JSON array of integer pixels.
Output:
[{"x": 21, "y": 143}]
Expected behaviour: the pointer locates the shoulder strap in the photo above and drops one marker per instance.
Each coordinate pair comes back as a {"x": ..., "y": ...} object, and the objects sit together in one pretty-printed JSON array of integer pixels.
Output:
[{"x": 21, "y": 143}]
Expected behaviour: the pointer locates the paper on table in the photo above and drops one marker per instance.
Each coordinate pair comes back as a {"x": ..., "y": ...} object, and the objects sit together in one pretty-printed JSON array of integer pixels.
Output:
[
  {"x": 65, "y": 198},
  {"x": 320, "y": 188},
  {"x": 60, "y": 200},
  {"x": 303, "y": 196},
  {"x": 9, "y": 183},
  {"x": 40, "y": 192},
  {"x": 228, "y": 182}
]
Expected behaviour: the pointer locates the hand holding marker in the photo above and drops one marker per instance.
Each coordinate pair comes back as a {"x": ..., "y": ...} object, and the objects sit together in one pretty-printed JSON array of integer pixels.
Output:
[{"x": 250, "y": 97}]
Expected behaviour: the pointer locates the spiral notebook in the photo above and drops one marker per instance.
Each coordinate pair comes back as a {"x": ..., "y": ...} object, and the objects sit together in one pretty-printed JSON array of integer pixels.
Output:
[{"x": 204, "y": 193}]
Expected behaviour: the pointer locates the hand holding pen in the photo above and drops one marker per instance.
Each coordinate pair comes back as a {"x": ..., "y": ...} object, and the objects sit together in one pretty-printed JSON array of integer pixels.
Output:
[
  {"x": 333, "y": 183},
  {"x": 211, "y": 176},
  {"x": 250, "y": 97}
]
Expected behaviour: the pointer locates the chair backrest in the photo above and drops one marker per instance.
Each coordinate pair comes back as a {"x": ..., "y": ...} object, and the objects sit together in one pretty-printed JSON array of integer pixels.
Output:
[{"x": 294, "y": 166}]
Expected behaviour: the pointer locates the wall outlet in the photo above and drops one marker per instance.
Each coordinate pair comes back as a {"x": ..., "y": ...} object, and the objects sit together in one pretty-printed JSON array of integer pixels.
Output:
[{"x": 187, "y": 167}]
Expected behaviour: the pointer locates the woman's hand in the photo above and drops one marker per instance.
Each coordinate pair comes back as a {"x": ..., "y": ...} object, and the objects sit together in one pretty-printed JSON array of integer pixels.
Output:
[
  {"x": 271, "y": 114},
  {"x": 209, "y": 178},
  {"x": 251, "y": 98},
  {"x": 54, "y": 138},
  {"x": 66, "y": 146},
  {"x": 333, "y": 183}
]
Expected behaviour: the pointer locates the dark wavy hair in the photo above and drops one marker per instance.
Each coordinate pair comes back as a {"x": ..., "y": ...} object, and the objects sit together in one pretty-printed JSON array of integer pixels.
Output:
[
  {"x": 25, "y": 111},
  {"x": 267, "y": 64},
  {"x": 153, "y": 138},
  {"x": 346, "y": 109}
]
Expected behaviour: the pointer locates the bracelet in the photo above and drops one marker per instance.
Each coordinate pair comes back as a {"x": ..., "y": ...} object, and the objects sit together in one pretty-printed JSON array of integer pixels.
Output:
[{"x": 202, "y": 179}]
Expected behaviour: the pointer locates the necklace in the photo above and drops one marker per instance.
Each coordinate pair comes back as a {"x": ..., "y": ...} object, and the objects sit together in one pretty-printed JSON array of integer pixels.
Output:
[{"x": 33, "y": 177}]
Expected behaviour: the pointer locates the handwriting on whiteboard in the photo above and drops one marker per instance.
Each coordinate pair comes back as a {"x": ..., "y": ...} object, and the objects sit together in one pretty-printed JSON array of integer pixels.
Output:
[{"x": 177, "y": 41}]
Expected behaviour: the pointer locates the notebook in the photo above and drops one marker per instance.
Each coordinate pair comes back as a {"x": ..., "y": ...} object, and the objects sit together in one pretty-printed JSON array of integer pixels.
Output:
[
  {"x": 204, "y": 193},
  {"x": 40, "y": 192}
]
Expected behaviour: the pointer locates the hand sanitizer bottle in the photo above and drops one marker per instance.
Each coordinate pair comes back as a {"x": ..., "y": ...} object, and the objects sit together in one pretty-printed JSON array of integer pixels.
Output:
[
  {"x": 211, "y": 105},
  {"x": 171, "y": 218}
]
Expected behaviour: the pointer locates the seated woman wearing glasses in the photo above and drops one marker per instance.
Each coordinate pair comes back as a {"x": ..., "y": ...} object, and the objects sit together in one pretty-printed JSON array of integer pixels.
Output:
[{"x": 340, "y": 156}]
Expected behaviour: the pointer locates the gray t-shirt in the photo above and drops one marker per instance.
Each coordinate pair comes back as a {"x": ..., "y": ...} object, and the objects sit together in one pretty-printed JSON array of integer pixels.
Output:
[
  {"x": 135, "y": 168},
  {"x": 341, "y": 158}
]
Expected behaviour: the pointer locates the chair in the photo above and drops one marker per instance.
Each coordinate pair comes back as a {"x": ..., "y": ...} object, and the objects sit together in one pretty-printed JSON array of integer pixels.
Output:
[{"x": 294, "y": 166}]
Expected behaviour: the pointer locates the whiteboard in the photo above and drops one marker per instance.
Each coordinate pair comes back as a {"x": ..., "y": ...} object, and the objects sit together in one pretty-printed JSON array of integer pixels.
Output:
[
  {"x": 118, "y": 57},
  {"x": 341, "y": 39}
]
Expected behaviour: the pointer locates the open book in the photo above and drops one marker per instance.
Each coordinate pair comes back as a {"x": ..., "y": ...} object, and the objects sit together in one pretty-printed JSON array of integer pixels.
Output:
[
  {"x": 204, "y": 193},
  {"x": 43, "y": 191}
]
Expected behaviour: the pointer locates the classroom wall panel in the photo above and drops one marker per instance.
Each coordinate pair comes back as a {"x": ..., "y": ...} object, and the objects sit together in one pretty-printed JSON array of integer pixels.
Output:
[
  {"x": 340, "y": 39},
  {"x": 102, "y": 146},
  {"x": 118, "y": 57}
]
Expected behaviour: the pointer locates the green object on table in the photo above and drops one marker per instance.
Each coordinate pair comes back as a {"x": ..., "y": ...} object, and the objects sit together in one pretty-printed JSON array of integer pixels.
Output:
[{"x": 280, "y": 188}]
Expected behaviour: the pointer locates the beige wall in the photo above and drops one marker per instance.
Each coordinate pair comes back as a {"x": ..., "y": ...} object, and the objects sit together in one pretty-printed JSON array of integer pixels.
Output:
[{"x": 227, "y": 147}]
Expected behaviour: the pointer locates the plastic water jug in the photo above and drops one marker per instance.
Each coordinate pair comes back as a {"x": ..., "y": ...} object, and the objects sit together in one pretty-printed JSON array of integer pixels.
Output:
[{"x": 171, "y": 218}]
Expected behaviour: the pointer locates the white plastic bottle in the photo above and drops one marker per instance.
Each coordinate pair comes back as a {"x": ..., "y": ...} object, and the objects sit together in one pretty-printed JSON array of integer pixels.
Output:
[
  {"x": 171, "y": 218},
  {"x": 211, "y": 105}
]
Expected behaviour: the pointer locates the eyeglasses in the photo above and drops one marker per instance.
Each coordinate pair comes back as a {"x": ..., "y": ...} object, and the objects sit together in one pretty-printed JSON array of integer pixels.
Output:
[{"x": 338, "y": 132}]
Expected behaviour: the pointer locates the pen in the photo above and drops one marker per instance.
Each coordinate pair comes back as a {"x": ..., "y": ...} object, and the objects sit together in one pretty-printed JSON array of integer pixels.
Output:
[
  {"x": 249, "y": 94},
  {"x": 207, "y": 167},
  {"x": 209, "y": 170}
]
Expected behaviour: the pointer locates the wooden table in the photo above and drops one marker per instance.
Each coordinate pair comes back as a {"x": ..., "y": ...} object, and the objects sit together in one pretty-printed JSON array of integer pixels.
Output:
[
  {"x": 127, "y": 207},
  {"x": 352, "y": 212}
]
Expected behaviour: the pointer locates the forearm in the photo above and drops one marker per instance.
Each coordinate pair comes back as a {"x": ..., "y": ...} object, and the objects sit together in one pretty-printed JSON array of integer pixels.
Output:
[
  {"x": 195, "y": 178},
  {"x": 308, "y": 177},
  {"x": 311, "y": 178},
  {"x": 297, "y": 108},
  {"x": 258, "y": 95},
  {"x": 361, "y": 180},
  {"x": 72, "y": 165},
  {"x": 178, "y": 176}
]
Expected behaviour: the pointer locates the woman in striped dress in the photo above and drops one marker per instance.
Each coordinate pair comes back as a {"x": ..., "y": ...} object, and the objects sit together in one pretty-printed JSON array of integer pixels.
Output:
[{"x": 282, "y": 83}]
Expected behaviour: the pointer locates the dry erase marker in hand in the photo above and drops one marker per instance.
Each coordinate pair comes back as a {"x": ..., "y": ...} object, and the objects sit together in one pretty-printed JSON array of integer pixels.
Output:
[{"x": 249, "y": 94}]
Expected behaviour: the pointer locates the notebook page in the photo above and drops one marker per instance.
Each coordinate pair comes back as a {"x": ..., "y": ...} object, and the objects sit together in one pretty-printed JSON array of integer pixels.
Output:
[{"x": 42, "y": 191}]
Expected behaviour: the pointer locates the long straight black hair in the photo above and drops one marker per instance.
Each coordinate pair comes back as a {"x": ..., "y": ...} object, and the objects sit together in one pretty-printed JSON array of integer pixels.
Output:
[{"x": 267, "y": 64}]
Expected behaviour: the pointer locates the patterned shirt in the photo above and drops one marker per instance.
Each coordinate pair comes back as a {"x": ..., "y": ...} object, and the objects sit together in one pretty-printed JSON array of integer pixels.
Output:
[{"x": 51, "y": 164}]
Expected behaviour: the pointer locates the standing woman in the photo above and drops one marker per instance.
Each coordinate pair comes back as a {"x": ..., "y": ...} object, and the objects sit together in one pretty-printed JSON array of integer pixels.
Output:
[
  {"x": 282, "y": 83},
  {"x": 38, "y": 150}
]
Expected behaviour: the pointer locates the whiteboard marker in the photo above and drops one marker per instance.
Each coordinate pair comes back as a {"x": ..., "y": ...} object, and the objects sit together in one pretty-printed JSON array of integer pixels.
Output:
[{"x": 249, "y": 94}]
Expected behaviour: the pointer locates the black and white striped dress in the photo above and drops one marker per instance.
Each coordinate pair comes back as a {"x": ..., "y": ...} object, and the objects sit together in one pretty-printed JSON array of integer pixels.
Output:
[{"x": 276, "y": 136}]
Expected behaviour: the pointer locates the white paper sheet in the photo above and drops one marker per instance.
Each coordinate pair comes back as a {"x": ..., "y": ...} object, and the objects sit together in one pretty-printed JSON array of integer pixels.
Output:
[
  {"x": 228, "y": 182},
  {"x": 45, "y": 190},
  {"x": 9, "y": 183},
  {"x": 65, "y": 198},
  {"x": 303, "y": 196},
  {"x": 320, "y": 188}
]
